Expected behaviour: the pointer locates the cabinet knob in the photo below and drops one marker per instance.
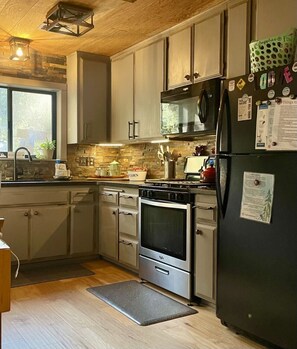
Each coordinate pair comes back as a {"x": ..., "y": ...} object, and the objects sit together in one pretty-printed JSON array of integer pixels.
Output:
[
  {"x": 196, "y": 75},
  {"x": 26, "y": 214},
  {"x": 187, "y": 77},
  {"x": 35, "y": 213},
  {"x": 114, "y": 212},
  {"x": 198, "y": 232}
]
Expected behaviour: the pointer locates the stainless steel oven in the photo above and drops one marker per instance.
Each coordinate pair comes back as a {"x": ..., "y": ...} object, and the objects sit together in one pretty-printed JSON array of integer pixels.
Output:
[{"x": 166, "y": 238}]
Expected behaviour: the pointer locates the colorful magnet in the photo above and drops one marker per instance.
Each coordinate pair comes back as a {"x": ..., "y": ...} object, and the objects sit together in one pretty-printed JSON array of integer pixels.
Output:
[
  {"x": 263, "y": 81},
  {"x": 286, "y": 91},
  {"x": 271, "y": 78},
  {"x": 240, "y": 84},
  {"x": 251, "y": 77},
  {"x": 231, "y": 86},
  {"x": 294, "y": 67},
  {"x": 288, "y": 76},
  {"x": 271, "y": 94}
]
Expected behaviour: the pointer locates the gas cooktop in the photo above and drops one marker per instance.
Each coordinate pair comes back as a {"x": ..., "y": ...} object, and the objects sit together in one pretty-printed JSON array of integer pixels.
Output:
[{"x": 177, "y": 183}]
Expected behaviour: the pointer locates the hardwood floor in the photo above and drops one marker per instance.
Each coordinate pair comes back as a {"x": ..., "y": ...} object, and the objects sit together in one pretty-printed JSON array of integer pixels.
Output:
[{"x": 63, "y": 315}]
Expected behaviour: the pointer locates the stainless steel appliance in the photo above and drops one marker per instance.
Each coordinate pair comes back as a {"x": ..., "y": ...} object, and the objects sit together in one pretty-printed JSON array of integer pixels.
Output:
[
  {"x": 166, "y": 233},
  {"x": 257, "y": 195},
  {"x": 190, "y": 110}
]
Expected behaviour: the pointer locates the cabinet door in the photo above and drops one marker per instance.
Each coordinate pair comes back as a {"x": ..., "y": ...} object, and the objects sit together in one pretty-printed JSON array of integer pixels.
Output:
[
  {"x": 16, "y": 230},
  {"x": 238, "y": 37},
  {"x": 49, "y": 227},
  {"x": 205, "y": 261},
  {"x": 179, "y": 58},
  {"x": 122, "y": 89},
  {"x": 128, "y": 222},
  {"x": 208, "y": 48},
  {"x": 149, "y": 74},
  {"x": 82, "y": 229},
  {"x": 128, "y": 252},
  {"x": 108, "y": 231}
]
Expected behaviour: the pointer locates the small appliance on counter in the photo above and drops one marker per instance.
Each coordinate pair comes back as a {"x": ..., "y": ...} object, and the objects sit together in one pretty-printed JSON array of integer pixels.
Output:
[{"x": 61, "y": 171}]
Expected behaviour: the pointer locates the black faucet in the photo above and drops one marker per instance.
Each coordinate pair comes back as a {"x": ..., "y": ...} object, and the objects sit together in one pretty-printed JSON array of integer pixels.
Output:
[{"x": 15, "y": 175}]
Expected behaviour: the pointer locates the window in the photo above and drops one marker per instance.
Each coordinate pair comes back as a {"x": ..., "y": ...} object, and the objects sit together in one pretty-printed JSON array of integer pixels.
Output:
[{"x": 27, "y": 118}]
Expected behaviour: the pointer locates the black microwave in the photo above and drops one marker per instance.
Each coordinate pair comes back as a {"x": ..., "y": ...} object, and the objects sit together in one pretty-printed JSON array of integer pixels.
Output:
[{"x": 190, "y": 110}]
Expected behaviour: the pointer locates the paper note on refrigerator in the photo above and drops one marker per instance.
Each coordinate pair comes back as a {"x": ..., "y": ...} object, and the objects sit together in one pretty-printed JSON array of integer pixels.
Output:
[
  {"x": 264, "y": 122},
  {"x": 244, "y": 108},
  {"x": 257, "y": 196},
  {"x": 282, "y": 134}
]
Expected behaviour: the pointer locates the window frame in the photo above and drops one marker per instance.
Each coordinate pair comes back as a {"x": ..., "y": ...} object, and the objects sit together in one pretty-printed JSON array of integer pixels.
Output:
[{"x": 10, "y": 90}]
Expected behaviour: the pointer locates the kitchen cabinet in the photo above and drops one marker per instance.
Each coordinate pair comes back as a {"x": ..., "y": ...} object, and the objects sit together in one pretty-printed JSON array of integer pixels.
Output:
[
  {"x": 118, "y": 225},
  {"x": 108, "y": 223},
  {"x": 205, "y": 245},
  {"x": 196, "y": 53},
  {"x": 137, "y": 81},
  {"x": 238, "y": 37},
  {"x": 36, "y": 222},
  {"x": 88, "y": 86},
  {"x": 83, "y": 221},
  {"x": 273, "y": 17},
  {"x": 122, "y": 89}
]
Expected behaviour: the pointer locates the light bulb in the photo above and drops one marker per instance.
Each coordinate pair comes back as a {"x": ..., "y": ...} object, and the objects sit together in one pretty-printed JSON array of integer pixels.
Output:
[{"x": 19, "y": 52}]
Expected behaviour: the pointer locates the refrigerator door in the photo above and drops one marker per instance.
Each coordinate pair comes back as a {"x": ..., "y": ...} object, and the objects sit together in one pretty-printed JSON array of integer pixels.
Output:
[
  {"x": 236, "y": 128},
  {"x": 257, "y": 277}
]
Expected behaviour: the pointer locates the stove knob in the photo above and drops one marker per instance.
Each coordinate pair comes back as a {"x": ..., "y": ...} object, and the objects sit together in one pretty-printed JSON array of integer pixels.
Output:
[
  {"x": 150, "y": 194},
  {"x": 180, "y": 197},
  {"x": 172, "y": 196},
  {"x": 144, "y": 193}
]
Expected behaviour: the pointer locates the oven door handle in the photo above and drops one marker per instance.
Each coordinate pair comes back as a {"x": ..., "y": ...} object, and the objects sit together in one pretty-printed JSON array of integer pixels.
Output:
[
  {"x": 165, "y": 204},
  {"x": 162, "y": 271}
]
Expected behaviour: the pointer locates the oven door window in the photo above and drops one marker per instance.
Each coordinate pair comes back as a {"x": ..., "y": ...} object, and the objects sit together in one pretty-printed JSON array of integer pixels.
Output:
[{"x": 164, "y": 230}]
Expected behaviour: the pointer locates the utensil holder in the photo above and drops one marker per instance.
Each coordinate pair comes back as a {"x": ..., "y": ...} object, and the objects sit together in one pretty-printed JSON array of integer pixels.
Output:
[{"x": 169, "y": 169}]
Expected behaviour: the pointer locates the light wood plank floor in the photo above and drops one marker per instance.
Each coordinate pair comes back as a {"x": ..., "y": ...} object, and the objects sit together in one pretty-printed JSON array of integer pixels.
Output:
[{"x": 63, "y": 315}]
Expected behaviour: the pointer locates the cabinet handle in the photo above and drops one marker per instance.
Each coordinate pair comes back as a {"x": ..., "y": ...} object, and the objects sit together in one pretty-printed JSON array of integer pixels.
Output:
[
  {"x": 198, "y": 232},
  {"x": 188, "y": 77},
  {"x": 204, "y": 208},
  {"x": 114, "y": 212},
  {"x": 134, "y": 132},
  {"x": 130, "y": 123},
  {"x": 35, "y": 213},
  {"x": 125, "y": 243},
  {"x": 162, "y": 271},
  {"x": 196, "y": 75},
  {"x": 126, "y": 213}
]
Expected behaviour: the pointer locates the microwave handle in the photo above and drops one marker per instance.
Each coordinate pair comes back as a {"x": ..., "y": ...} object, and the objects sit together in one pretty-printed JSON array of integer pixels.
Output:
[{"x": 203, "y": 116}]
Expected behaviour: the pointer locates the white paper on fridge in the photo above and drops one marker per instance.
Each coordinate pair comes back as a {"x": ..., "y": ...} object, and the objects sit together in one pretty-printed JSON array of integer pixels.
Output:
[
  {"x": 283, "y": 132},
  {"x": 244, "y": 108},
  {"x": 264, "y": 122},
  {"x": 257, "y": 196}
]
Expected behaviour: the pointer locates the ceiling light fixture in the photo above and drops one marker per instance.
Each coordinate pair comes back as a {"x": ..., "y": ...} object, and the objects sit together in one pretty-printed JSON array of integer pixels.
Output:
[
  {"x": 19, "y": 49},
  {"x": 68, "y": 19}
]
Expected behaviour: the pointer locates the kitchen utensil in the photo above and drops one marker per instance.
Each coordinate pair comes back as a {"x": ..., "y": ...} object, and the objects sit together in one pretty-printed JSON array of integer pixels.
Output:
[{"x": 169, "y": 169}]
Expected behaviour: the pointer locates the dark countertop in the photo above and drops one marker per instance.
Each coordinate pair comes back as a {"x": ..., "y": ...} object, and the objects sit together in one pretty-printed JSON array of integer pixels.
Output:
[{"x": 52, "y": 182}]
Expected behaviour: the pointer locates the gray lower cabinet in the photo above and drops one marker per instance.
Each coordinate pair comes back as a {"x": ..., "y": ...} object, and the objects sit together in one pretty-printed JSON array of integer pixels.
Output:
[
  {"x": 205, "y": 245},
  {"x": 83, "y": 222},
  {"x": 118, "y": 225}
]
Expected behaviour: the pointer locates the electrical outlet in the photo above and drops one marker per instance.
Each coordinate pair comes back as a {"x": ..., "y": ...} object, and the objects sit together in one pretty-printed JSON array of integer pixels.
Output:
[{"x": 82, "y": 161}]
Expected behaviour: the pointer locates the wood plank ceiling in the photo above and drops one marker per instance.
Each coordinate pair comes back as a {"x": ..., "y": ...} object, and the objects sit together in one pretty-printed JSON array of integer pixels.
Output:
[{"x": 119, "y": 24}]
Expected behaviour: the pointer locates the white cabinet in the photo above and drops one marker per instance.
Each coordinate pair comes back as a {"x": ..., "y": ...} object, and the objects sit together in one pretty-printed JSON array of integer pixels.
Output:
[
  {"x": 137, "y": 81},
  {"x": 83, "y": 221},
  {"x": 205, "y": 245},
  {"x": 238, "y": 37},
  {"x": 88, "y": 86},
  {"x": 122, "y": 100},
  {"x": 196, "y": 53},
  {"x": 118, "y": 225}
]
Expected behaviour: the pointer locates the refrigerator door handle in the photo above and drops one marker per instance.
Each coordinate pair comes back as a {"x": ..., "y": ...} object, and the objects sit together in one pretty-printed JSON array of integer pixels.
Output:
[
  {"x": 203, "y": 113},
  {"x": 224, "y": 106},
  {"x": 222, "y": 182}
]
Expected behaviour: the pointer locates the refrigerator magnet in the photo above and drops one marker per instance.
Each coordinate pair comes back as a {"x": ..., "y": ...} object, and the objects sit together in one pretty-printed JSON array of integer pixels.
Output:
[
  {"x": 294, "y": 67},
  {"x": 286, "y": 91},
  {"x": 288, "y": 75},
  {"x": 231, "y": 86},
  {"x": 271, "y": 94},
  {"x": 240, "y": 84},
  {"x": 263, "y": 81},
  {"x": 251, "y": 77}
]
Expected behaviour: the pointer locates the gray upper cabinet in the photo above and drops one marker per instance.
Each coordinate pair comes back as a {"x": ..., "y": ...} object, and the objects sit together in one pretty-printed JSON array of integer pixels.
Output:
[
  {"x": 122, "y": 87},
  {"x": 137, "y": 81},
  {"x": 149, "y": 73},
  {"x": 88, "y": 84},
  {"x": 238, "y": 37},
  {"x": 196, "y": 52},
  {"x": 274, "y": 17}
]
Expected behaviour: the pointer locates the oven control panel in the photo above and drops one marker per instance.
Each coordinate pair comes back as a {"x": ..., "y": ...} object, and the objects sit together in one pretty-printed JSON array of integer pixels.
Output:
[{"x": 166, "y": 195}]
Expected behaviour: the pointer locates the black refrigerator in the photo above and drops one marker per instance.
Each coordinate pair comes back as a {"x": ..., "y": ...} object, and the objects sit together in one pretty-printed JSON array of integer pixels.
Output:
[{"x": 256, "y": 167}]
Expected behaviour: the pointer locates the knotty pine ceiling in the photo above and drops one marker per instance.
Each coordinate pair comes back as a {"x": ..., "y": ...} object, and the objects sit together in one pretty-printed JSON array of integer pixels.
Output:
[{"x": 119, "y": 24}]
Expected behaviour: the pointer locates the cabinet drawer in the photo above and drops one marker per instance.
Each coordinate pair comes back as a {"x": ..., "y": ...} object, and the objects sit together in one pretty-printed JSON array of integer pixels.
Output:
[
  {"x": 128, "y": 222},
  {"x": 82, "y": 196},
  {"x": 210, "y": 199},
  {"x": 128, "y": 252},
  {"x": 206, "y": 211},
  {"x": 109, "y": 196},
  {"x": 24, "y": 197},
  {"x": 129, "y": 200}
]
